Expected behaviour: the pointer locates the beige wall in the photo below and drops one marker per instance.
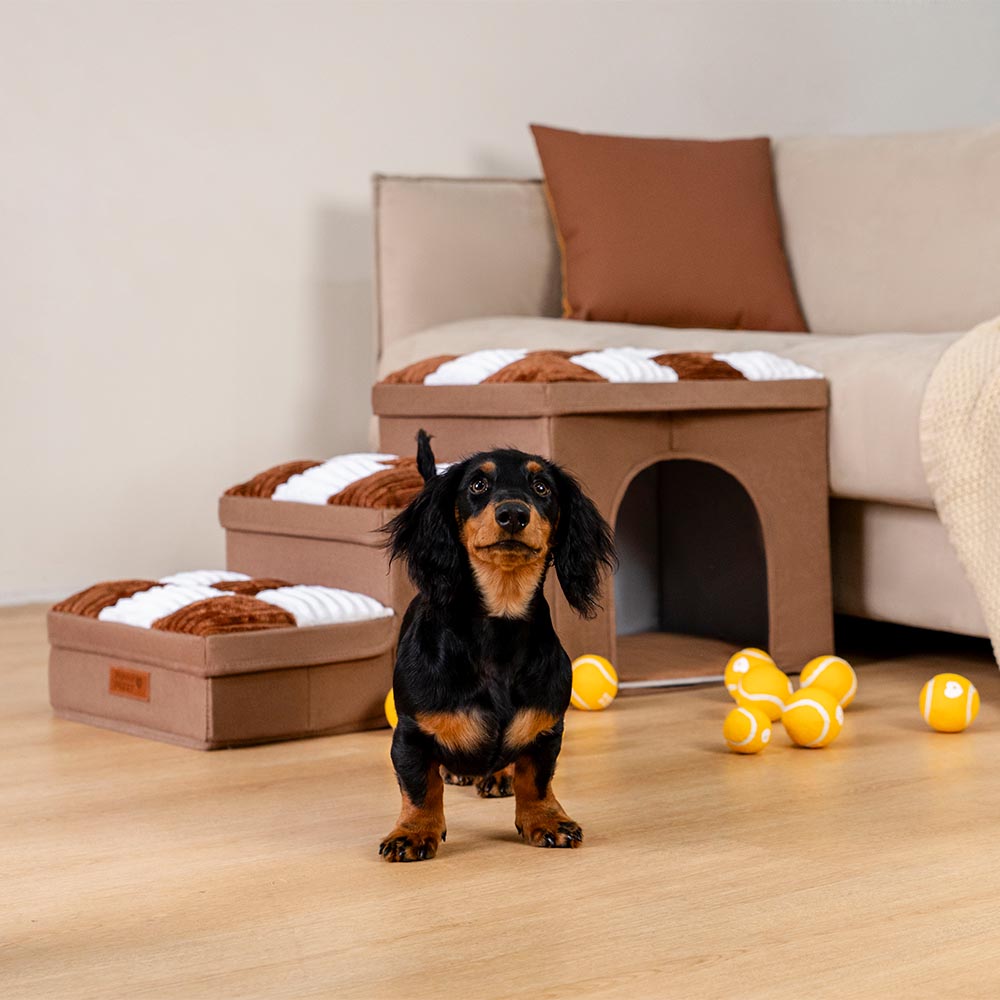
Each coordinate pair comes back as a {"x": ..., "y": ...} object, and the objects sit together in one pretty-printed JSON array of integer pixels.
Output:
[{"x": 185, "y": 277}]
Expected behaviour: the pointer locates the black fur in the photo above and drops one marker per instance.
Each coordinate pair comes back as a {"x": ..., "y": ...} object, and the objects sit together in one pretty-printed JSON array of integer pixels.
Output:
[
  {"x": 583, "y": 547},
  {"x": 425, "y": 534},
  {"x": 453, "y": 656},
  {"x": 426, "y": 465}
]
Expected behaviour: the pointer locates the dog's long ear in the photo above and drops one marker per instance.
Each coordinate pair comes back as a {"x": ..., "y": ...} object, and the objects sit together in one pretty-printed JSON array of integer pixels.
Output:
[
  {"x": 584, "y": 547},
  {"x": 426, "y": 465},
  {"x": 426, "y": 536}
]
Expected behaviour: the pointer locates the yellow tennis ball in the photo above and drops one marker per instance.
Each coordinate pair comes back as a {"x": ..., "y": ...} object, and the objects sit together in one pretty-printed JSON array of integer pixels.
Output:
[
  {"x": 813, "y": 717},
  {"x": 390, "y": 709},
  {"x": 746, "y": 730},
  {"x": 833, "y": 674},
  {"x": 764, "y": 687},
  {"x": 949, "y": 703},
  {"x": 742, "y": 662},
  {"x": 595, "y": 683}
]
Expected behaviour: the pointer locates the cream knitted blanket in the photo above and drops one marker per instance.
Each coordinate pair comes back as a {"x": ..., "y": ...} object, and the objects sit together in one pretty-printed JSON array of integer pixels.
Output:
[{"x": 960, "y": 446}]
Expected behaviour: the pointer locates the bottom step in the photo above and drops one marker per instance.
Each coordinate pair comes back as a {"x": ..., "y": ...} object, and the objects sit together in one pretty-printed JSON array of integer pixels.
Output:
[{"x": 649, "y": 661}]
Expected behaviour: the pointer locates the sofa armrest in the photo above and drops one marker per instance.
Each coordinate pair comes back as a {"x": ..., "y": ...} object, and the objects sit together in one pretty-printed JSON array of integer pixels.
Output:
[{"x": 458, "y": 248}]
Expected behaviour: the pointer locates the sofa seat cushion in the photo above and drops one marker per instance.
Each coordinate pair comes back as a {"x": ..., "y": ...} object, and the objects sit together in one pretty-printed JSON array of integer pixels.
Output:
[{"x": 876, "y": 380}]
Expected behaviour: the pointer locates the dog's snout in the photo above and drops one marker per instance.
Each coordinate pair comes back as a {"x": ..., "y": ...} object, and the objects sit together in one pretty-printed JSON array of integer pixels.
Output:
[{"x": 512, "y": 516}]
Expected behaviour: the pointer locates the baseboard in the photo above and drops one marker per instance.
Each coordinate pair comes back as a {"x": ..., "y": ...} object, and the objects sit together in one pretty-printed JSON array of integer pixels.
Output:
[{"x": 13, "y": 598}]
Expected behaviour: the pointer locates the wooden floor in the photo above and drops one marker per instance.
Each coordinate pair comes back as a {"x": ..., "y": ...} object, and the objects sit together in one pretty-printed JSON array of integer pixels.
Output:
[{"x": 134, "y": 869}]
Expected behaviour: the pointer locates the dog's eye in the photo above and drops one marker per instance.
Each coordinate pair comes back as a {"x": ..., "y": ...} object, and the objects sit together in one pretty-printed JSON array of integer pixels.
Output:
[
  {"x": 479, "y": 486},
  {"x": 541, "y": 488}
]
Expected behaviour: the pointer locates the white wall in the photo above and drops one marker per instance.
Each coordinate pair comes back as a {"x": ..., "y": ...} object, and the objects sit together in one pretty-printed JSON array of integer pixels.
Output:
[{"x": 185, "y": 251}]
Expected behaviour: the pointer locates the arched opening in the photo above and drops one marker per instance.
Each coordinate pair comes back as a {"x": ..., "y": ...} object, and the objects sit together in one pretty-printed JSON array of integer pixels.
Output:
[{"x": 692, "y": 581}]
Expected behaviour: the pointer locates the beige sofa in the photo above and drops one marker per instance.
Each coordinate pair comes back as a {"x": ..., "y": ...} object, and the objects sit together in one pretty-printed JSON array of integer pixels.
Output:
[{"x": 894, "y": 243}]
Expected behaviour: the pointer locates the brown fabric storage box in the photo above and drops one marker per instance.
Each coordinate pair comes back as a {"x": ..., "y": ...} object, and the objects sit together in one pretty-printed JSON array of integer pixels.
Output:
[
  {"x": 220, "y": 690},
  {"x": 333, "y": 546},
  {"x": 331, "y": 543},
  {"x": 763, "y": 426}
]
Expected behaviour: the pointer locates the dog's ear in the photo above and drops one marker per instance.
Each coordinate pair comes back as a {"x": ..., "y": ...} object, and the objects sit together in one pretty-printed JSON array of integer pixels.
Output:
[
  {"x": 426, "y": 465},
  {"x": 584, "y": 547},
  {"x": 426, "y": 536}
]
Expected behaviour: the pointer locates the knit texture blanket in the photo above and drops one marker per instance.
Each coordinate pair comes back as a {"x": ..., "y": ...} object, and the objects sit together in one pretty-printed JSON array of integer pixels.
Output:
[
  {"x": 210, "y": 602},
  {"x": 364, "y": 479},
  {"x": 608, "y": 364},
  {"x": 960, "y": 447}
]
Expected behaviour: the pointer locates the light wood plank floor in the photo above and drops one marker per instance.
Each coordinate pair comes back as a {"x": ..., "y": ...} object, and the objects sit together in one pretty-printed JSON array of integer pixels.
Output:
[{"x": 871, "y": 869}]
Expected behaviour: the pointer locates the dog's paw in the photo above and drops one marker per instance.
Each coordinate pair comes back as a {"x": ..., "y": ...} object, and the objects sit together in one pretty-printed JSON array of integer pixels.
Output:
[
  {"x": 498, "y": 785},
  {"x": 542, "y": 830},
  {"x": 411, "y": 845},
  {"x": 455, "y": 779}
]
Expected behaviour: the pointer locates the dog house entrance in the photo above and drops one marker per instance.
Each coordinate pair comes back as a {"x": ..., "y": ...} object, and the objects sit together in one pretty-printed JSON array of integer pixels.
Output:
[{"x": 692, "y": 581}]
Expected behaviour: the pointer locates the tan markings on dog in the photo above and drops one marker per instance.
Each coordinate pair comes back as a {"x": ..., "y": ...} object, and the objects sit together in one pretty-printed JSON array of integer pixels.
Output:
[
  {"x": 507, "y": 593},
  {"x": 450, "y": 778},
  {"x": 534, "y": 466},
  {"x": 498, "y": 785},
  {"x": 508, "y": 576},
  {"x": 419, "y": 829},
  {"x": 539, "y": 818},
  {"x": 526, "y": 725},
  {"x": 455, "y": 731},
  {"x": 488, "y": 467}
]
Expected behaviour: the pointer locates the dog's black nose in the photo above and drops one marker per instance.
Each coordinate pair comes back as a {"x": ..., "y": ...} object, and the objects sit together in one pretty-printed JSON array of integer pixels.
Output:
[{"x": 512, "y": 516}]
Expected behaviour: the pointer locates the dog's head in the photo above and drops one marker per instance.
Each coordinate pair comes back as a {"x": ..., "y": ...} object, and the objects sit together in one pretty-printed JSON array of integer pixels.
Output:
[{"x": 496, "y": 521}]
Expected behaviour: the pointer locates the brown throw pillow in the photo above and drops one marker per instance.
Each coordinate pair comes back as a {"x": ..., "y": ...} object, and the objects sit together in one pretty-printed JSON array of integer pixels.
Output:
[{"x": 668, "y": 232}]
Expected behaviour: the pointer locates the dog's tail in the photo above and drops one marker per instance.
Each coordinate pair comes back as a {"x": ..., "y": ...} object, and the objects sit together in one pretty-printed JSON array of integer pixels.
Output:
[{"x": 426, "y": 465}]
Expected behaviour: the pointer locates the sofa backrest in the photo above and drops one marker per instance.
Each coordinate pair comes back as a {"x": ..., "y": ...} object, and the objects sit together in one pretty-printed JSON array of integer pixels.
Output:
[
  {"x": 883, "y": 233},
  {"x": 895, "y": 233}
]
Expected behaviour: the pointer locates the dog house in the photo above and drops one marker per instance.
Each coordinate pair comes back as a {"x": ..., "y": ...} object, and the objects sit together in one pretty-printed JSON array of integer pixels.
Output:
[
  {"x": 717, "y": 490},
  {"x": 692, "y": 564}
]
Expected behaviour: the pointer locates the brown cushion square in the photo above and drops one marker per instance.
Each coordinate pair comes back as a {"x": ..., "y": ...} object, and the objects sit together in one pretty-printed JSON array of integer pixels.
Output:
[{"x": 668, "y": 232}]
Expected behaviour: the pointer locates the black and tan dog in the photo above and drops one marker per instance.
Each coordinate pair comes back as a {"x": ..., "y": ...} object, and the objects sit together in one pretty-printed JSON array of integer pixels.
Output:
[{"x": 482, "y": 682}]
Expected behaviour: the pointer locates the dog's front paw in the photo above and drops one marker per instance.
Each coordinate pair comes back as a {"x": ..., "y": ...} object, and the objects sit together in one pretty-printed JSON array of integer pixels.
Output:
[
  {"x": 498, "y": 785},
  {"x": 542, "y": 829},
  {"x": 411, "y": 844}
]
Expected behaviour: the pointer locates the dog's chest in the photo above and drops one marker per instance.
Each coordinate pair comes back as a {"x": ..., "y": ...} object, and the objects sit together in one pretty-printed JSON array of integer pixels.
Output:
[
  {"x": 497, "y": 678},
  {"x": 486, "y": 729}
]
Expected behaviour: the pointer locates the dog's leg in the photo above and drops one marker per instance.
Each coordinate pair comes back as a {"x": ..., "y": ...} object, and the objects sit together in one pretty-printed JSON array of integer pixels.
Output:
[
  {"x": 539, "y": 818},
  {"x": 497, "y": 785},
  {"x": 420, "y": 827}
]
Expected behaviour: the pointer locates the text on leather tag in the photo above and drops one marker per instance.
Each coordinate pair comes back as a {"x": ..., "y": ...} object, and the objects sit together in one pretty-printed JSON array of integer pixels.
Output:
[{"x": 128, "y": 683}]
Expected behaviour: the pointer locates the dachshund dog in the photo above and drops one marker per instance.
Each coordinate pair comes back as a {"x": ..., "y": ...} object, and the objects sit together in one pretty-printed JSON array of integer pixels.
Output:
[{"x": 482, "y": 682}]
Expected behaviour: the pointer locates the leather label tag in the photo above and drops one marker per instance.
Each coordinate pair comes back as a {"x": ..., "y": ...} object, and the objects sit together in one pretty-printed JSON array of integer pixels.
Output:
[{"x": 128, "y": 683}]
